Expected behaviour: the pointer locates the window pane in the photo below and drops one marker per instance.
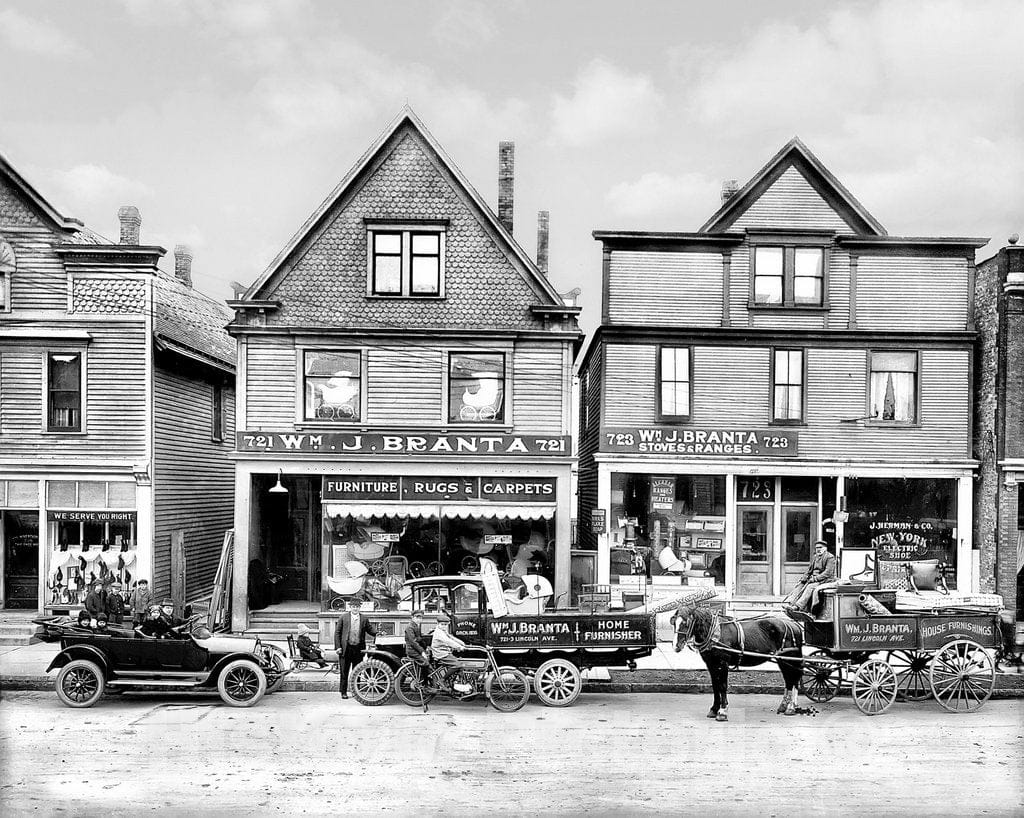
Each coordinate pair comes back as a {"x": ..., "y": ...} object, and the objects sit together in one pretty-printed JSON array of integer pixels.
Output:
[
  {"x": 387, "y": 275},
  {"x": 799, "y": 489},
  {"x": 332, "y": 385},
  {"x": 796, "y": 366},
  {"x": 426, "y": 243},
  {"x": 781, "y": 367},
  {"x": 894, "y": 362},
  {"x": 390, "y": 243},
  {"x": 893, "y": 396},
  {"x": 809, "y": 262},
  {"x": 476, "y": 388},
  {"x": 768, "y": 261},
  {"x": 64, "y": 371},
  {"x": 424, "y": 274},
  {"x": 754, "y": 525},
  {"x": 121, "y": 495},
  {"x": 61, "y": 494},
  {"x": 767, "y": 290},
  {"x": 807, "y": 290},
  {"x": 798, "y": 535},
  {"x": 92, "y": 495}
]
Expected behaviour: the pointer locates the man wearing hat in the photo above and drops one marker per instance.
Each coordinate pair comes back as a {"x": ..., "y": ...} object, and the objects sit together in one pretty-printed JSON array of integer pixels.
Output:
[
  {"x": 821, "y": 571},
  {"x": 350, "y": 640},
  {"x": 443, "y": 646}
]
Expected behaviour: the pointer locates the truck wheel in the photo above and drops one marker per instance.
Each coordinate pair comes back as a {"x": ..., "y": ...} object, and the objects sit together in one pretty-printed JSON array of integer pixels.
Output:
[
  {"x": 558, "y": 683},
  {"x": 372, "y": 682},
  {"x": 80, "y": 683},
  {"x": 241, "y": 683}
]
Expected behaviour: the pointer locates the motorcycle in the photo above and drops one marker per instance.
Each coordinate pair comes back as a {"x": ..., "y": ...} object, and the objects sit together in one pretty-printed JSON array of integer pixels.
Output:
[{"x": 506, "y": 688}]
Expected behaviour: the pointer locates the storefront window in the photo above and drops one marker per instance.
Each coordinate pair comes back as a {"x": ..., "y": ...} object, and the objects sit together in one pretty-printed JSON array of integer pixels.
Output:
[{"x": 904, "y": 520}]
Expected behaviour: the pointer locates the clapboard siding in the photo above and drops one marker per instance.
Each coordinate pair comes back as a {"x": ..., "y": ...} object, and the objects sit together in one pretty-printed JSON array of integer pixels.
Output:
[
  {"x": 404, "y": 384},
  {"x": 732, "y": 388},
  {"x": 912, "y": 293},
  {"x": 791, "y": 202},
  {"x": 40, "y": 281},
  {"x": 739, "y": 286},
  {"x": 115, "y": 399},
  {"x": 591, "y": 397},
  {"x": 665, "y": 288},
  {"x": 538, "y": 388},
  {"x": 270, "y": 369},
  {"x": 193, "y": 477}
]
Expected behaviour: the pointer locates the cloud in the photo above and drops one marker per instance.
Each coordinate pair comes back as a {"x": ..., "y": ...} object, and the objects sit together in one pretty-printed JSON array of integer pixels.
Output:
[
  {"x": 85, "y": 186},
  {"x": 291, "y": 107},
  {"x": 672, "y": 200},
  {"x": 465, "y": 24},
  {"x": 606, "y": 103},
  {"x": 36, "y": 36}
]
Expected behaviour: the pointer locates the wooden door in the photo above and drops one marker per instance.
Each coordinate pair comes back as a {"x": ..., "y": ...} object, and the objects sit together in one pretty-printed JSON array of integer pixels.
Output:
[
  {"x": 754, "y": 550},
  {"x": 21, "y": 559},
  {"x": 799, "y": 531}
]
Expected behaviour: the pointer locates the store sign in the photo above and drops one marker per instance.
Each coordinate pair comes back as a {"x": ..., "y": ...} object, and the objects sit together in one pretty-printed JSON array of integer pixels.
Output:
[
  {"x": 705, "y": 442},
  {"x": 472, "y": 445},
  {"x": 598, "y": 521},
  {"x": 91, "y": 516},
  {"x": 384, "y": 536},
  {"x": 940, "y": 630},
  {"x": 877, "y": 633},
  {"x": 497, "y": 539},
  {"x": 663, "y": 493},
  {"x": 905, "y": 540},
  {"x": 570, "y": 630},
  {"x": 440, "y": 489}
]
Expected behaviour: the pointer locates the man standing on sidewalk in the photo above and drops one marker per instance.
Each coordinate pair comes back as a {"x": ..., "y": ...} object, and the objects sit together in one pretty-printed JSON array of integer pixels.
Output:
[{"x": 350, "y": 641}]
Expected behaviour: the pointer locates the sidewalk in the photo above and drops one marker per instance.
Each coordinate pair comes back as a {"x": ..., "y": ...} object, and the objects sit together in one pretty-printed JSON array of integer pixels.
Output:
[{"x": 23, "y": 667}]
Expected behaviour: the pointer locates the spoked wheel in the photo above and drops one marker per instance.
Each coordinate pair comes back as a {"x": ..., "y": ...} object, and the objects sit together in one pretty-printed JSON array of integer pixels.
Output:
[
  {"x": 962, "y": 676},
  {"x": 508, "y": 689},
  {"x": 874, "y": 687},
  {"x": 911, "y": 669},
  {"x": 407, "y": 688},
  {"x": 372, "y": 682},
  {"x": 80, "y": 683},
  {"x": 242, "y": 683},
  {"x": 558, "y": 683},
  {"x": 822, "y": 681},
  {"x": 280, "y": 667}
]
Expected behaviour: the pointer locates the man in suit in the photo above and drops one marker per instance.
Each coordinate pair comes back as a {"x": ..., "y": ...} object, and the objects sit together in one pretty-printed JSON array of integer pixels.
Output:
[
  {"x": 350, "y": 640},
  {"x": 821, "y": 571}
]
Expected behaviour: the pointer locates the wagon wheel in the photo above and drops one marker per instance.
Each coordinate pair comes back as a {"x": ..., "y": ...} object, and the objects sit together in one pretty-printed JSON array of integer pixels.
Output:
[
  {"x": 378, "y": 568},
  {"x": 874, "y": 687},
  {"x": 962, "y": 676},
  {"x": 822, "y": 681},
  {"x": 558, "y": 683},
  {"x": 911, "y": 669}
]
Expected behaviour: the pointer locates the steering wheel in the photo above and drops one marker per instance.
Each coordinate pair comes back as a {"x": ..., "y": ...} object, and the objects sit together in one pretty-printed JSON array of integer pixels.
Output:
[{"x": 188, "y": 623}]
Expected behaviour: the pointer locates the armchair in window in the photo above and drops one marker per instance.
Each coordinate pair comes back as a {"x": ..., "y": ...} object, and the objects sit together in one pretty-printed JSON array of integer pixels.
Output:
[{"x": 926, "y": 575}]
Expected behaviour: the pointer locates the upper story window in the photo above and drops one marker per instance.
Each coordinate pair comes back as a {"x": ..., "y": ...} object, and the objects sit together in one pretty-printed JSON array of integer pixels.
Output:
[
  {"x": 7, "y": 266},
  {"x": 893, "y": 387},
  {"x": 788, "y": 276},
  {"x": 674, "y": 383},
  {"x": 788, "y": 386},
  {"x": 217, "y": 423},
  {"x": 64, "y": 393},
  {"x": 406, "y": 263},
  {"x": 476, "y": 387},
  {"x": 332, "y": 384}
]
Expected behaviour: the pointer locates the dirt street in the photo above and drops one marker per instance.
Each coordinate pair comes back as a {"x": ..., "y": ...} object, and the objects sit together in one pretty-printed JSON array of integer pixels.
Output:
[{"x": 311, "y": 753}]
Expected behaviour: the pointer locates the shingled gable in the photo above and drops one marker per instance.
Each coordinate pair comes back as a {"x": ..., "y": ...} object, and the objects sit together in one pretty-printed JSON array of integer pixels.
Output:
[
  {"x": 796, "y": 157},
  {"x": 319, "y": 278}
]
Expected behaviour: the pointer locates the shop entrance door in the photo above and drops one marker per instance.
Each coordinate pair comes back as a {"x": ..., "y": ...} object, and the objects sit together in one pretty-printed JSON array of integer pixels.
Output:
[
  {"x": 799, "y": 527},
  {"x": 754, "y": 550},
  {"x": 21, "y": 558}
]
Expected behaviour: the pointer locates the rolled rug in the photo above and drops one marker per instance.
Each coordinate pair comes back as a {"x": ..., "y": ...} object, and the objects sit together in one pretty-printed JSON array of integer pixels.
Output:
[
  {"x": 872, "y": 606},
  {"x": 690, "y": 597}
]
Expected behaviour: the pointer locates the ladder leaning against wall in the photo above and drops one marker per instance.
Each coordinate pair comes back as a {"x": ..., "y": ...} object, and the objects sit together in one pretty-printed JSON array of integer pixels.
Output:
[{"x": 219, "y": 618}]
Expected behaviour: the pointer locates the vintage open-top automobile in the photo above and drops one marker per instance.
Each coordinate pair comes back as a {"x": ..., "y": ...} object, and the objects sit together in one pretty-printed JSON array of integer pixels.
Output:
[{"x": 90, "y": 662}]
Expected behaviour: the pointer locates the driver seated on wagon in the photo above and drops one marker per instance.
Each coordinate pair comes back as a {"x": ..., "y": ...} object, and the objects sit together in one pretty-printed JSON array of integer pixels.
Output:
[{"x": 442, "y": 647}]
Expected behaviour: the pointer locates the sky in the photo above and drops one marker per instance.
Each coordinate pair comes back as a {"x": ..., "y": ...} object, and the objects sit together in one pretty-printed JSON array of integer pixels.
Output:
[{"x": 227, "y": 123}]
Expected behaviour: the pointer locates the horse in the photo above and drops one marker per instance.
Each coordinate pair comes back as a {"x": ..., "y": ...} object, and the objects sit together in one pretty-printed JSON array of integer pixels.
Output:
[{"x": 724, "y": 642}]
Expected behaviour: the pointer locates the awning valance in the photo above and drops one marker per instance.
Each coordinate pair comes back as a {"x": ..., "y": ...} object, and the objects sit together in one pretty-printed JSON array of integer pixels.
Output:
[
  {"x": 381, "y": 510},
  {"x": 524, "y": 512},
  {"x": 462, "y": 512}
]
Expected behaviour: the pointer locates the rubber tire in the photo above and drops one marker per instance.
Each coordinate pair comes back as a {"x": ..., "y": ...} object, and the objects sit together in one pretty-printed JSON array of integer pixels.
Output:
[
  {"x": 558, "y": 683},
  {"x": 380, "y": 673},
  {"x": 81, "y": 668},
  {"x": 281, "y": 665},
  {"x": 231, "y": 667},
  {"x": 522, "y": 696},
  {"x": 404, "y": 694}
]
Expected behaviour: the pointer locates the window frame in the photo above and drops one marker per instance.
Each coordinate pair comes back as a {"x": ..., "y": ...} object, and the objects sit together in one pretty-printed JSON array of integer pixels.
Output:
[
  {"x": 8, "y": 267},
  {"x": 789, "y": 245},
  {"x": 662, "y": 416},
  {"x": 772, "y": 385},
  {"x": 506, "y": 383},
  {"x": 406, "y": 231},
  {"x": 900, "y": 424},
  {"x": 300, "y": 388},
  {"x": 217, "y": 414},
  {"x": 83, "y": 382}
]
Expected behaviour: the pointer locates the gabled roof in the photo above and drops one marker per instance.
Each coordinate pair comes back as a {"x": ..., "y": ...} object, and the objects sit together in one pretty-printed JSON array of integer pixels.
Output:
[
  {"x": 796, "y": 153},
  {"x": 407, "y": 118},
  {"x": 191, "y": 324}
]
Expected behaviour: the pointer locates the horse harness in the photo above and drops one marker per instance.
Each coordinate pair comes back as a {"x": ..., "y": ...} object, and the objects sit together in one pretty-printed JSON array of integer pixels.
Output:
[{"x": 713, "y": 637}]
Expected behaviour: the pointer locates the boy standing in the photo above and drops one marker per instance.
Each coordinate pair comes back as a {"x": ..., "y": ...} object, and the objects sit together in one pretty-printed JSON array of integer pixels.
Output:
[
  {"x": 115, "y": 604},
  {"x": 141, "y": 601}
]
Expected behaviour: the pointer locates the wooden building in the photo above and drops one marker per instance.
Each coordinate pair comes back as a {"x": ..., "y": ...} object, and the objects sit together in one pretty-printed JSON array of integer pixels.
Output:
[
  {"x": 404, "y": 404},
  {"x": 116, "y": 410},
  {"x": 787, "y": 372}
]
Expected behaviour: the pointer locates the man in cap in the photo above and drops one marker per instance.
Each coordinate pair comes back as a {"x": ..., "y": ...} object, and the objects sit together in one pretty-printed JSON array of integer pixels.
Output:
[
  {"x": 442, "y": 647},
  {"x": 350, "y": 640},
  {"x": 821, "y": 571},
  {"x": 416, "y": 643}
]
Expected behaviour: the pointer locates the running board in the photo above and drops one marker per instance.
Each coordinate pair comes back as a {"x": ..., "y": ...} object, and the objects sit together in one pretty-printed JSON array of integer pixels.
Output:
[{"x": 181, "y": 682}]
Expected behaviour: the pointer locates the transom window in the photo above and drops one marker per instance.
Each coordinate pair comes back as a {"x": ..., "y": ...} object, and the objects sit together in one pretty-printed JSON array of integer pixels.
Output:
[
  {"x": 789, "y": 276},
  {"x": 476, "y": 387},
  {"x": 674, "y": 383},
  {"x": 64, "y": 391},
  {"x": 788, "y": 385},
  {"x": 406, "y": 263},
  {"x": 894, "y": 387},
  {"x": 332, "y": 384}
]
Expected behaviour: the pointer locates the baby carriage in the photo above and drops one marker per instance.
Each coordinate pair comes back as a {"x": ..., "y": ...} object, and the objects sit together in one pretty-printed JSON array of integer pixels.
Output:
[{"x": 482, "y": 404}]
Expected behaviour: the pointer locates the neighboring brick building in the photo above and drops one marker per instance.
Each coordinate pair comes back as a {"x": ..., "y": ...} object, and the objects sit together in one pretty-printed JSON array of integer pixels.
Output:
[{"x": 999, "y": 423}]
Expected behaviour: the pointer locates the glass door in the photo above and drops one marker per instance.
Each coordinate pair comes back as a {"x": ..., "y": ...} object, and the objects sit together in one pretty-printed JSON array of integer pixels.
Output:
[
  {"x": 21, "y": 559},
  {"x": 798, "y": 531},
  {"x": 754, "y": 550}
]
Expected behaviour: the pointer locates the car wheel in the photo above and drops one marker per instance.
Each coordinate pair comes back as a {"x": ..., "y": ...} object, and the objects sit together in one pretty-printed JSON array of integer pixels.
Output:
[
  {"x": 80, "y": 683},
  {"x": 280, "y": 667},
  {"x": 372, "y": 682},
  {"x": 241, "y": 683}
]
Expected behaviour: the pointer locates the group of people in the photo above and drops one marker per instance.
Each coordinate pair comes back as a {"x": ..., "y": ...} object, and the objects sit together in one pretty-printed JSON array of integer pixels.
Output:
[{"x": 109, "y": 607}]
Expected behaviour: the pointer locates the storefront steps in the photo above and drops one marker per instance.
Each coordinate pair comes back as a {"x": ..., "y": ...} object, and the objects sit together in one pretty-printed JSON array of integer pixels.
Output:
[
  {"x": 17, "y": 628},
  {"x": 276, "y": 622}
]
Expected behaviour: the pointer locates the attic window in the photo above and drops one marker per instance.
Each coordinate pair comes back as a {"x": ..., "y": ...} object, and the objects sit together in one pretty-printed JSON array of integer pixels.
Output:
[
  {"x": 405, "y": 262},
  {"x": 789, "y": 275}
]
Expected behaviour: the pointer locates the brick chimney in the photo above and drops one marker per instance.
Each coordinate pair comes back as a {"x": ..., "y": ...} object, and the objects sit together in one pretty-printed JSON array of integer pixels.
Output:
[
  {"x": 730, "y": 187},
  {"x": 543, "y": 217},
  {"x": 506, "y": 179},
  {"x": 183, "y": 264},
  {"x": 131, "y": 221}
]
